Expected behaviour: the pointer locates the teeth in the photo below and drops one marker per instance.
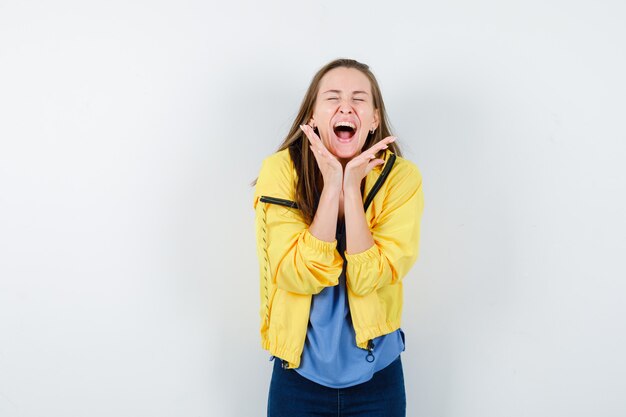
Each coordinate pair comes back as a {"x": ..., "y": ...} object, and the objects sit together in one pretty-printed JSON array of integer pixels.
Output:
[{"x": 348, "y": 124}]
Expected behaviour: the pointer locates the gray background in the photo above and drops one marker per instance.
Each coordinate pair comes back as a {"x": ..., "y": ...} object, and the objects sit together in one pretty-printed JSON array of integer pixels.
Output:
[{"x": 129, "y": 134}]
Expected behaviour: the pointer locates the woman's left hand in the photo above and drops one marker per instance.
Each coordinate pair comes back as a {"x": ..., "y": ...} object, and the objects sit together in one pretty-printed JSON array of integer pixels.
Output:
[{"x": 362, "y": 164}]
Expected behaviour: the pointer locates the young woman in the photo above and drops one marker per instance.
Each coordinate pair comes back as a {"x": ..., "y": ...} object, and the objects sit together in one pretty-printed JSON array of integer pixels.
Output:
[{"x": 337, "y": 224}]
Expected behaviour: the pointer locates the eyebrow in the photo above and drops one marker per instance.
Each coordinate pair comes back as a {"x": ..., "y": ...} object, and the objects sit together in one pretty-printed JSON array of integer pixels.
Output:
[{"x": 339, "y": 91}]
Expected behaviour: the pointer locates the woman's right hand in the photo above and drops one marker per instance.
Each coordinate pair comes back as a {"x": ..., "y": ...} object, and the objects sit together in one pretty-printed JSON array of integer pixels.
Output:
[{"x": 329, "y": 165}]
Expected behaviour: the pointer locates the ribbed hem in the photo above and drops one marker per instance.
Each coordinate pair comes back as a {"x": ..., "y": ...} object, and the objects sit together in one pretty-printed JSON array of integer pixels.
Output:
[
  {"x": 364, "y": 335},
  {"x": 290, "y": 355}
]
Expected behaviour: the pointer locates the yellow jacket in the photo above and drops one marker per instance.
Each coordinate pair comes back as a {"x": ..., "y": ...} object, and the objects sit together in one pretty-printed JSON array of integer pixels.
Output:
[{"x": 294, "y": 265}]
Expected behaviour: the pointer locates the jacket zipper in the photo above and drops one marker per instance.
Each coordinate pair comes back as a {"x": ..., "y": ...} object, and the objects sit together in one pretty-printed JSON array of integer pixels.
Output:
[
  {"x": 370, "y": 349},
  {"x": 284, "y": 364}
]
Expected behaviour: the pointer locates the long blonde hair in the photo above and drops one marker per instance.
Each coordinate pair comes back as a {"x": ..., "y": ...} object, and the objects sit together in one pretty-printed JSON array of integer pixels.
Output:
[{"x": 310, "y": 182}]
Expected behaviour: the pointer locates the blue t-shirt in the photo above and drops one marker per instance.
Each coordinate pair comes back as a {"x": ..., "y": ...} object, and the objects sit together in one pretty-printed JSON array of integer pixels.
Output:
[{"x": 330, "y": 356}]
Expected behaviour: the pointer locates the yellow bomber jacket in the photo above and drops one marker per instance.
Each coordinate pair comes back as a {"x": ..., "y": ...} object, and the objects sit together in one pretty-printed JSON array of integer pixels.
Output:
[{"x": 294, "y": 265}]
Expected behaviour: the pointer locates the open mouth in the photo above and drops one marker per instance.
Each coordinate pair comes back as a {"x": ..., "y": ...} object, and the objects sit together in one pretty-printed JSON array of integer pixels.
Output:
[{"x": 344, "y": 130}]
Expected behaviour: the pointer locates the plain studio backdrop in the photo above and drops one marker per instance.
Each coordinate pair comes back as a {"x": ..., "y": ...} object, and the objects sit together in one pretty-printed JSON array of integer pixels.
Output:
[{"x": 130, "y": 133}]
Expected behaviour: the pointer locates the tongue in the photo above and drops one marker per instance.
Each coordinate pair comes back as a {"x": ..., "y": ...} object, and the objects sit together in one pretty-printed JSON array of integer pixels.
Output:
[{"x": 345, "y": 134}]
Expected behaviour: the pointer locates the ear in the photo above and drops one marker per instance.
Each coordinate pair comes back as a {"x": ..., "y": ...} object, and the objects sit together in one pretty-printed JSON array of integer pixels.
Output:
[
  {"x": 312, "y": 122},
  {"x": 376, "y": 119}
]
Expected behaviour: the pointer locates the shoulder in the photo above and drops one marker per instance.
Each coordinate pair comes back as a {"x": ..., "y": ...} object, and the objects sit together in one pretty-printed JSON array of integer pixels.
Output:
[
  {"x": 280, "y": 161},
  {"x": 403, "y": 184},
  {"x": 405, "y": 174},
  {"x": 277, "y": 176}
]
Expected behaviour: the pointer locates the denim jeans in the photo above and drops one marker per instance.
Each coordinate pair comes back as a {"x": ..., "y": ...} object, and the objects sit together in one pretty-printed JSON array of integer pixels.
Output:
[{"x": 293, "y": 395}]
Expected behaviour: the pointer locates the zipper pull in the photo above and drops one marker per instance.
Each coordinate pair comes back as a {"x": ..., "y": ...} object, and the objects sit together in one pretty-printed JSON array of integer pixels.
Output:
[{"x": 370, "y": 348}]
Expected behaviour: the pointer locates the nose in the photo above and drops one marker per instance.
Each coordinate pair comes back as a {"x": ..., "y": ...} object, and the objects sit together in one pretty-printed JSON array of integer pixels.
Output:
[{"x": 344, "y": 107}]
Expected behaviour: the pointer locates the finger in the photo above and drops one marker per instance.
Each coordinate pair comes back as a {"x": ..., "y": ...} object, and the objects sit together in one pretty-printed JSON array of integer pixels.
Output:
[
  {"x": 314, "y": 140},
  {"x": 307, "y": 133},
  {"x": 314, "y": 135},
  {"x": 374, "y": 149},
  {"x": 372, "y": 164},
  {"x": 378, "y": 146},
  {"x": 385, "y": 142},
  {"x": 316, "y": 155},
  {"x": 371, "y": 152},
  {"x": 314, "y": 143},
  {"x": 310, "y": 135}
]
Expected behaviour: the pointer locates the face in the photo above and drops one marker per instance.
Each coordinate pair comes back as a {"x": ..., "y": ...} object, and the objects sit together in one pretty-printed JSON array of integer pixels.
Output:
[{"x": 344, "y": 112}]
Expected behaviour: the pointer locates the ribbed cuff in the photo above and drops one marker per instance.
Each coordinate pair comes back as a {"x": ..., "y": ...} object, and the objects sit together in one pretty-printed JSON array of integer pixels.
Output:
[
  {"x": 320, "y": 245},
  {"x": 369, "y": 255}
]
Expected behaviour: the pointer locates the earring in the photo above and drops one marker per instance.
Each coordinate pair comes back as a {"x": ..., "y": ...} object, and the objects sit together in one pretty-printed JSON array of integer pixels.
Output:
[{"x": 373, "y": 129}]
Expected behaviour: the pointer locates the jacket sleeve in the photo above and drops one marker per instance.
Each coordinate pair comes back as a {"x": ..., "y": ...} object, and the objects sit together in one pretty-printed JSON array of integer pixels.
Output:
[
  {"x": 396, "y": 233},
  {"x": 293, "y": 259}
]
